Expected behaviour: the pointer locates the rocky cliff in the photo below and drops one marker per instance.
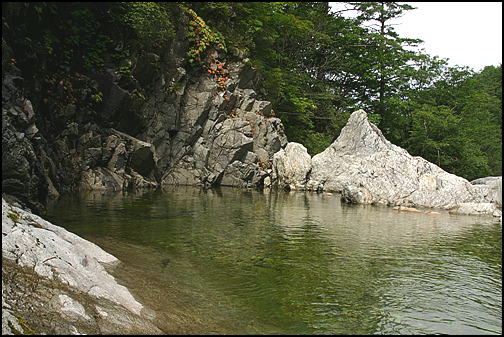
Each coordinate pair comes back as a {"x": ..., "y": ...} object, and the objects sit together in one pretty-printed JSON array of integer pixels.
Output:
[{"x": 161, "y": 121}]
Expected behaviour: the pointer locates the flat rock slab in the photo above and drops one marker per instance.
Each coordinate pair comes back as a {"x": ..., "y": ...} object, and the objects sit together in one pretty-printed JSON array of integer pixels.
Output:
[{"x": 477, "y": 208}]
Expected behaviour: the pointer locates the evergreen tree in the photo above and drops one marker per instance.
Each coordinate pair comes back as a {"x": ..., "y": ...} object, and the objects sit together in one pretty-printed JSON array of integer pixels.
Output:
[{"x": 388, "y": 62}]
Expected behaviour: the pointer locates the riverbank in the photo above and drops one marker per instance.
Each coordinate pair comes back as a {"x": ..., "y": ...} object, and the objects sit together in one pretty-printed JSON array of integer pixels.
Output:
[
  {"x": 68, "y": 295},
  {"x": 54, "y": 282}
]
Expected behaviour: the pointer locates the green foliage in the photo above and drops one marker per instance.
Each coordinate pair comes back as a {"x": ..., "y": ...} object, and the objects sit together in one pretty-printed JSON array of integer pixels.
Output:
[
  {"x": 61, "y": 35},
  {"x": 318, "y": 67},
  {"x": 201, "y": 37},
  {"x": 98, "y": 97},
  {"x": 80, "y": 35},
  {"x": 14, "y": 215},
  {"x": 27, "y": 330},
  {"x": 151, "y": 20},
  {"x": 432, "y": 129},
  {"x": 125, "y": 69},
  {"x": 316, "y": 142},
  {"x": 456, "y": 125},
  {"x": 478, "y": 140}
]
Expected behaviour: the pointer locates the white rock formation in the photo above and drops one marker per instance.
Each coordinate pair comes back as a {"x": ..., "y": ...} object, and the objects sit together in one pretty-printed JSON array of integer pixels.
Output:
[
  {"x": 291, "y": 166},
  {"x": 54, "y": 253},
  {"x": 366, "y": 168}
]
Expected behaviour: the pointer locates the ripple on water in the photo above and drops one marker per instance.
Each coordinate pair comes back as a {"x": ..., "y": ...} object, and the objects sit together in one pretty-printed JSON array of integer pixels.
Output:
[{"x": 234, "y": 261}]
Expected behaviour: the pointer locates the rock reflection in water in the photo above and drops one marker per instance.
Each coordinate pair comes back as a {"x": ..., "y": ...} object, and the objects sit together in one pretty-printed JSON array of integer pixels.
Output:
[{"x": 241, "y": 261}]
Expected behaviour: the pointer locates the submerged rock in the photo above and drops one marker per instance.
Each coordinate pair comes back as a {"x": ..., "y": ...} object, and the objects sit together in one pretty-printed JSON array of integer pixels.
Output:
[
  {"x": 65, "y": 279},
  {"x": 477, "y": 208}
]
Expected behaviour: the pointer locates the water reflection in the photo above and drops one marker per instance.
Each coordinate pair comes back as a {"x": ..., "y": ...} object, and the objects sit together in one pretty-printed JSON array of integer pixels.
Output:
[{"x": 242, "y": 261}]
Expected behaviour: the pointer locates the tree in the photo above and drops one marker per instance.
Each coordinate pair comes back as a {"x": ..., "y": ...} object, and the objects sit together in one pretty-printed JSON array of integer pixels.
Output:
[
  {"x": 489, "y": 80},
  {"x": 455, "y": 123},
  {"x": 388, "y": 62},
  {"x": 307, "y": 78}
]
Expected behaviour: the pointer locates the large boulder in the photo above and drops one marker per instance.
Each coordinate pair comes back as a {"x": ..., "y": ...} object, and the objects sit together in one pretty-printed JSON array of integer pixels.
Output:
[
  {"x": 366, "y": 168},
  {"x": 67, "y": 284},
  {"x": 489, "y": 189},
  {"x": 291, "y": 167}
]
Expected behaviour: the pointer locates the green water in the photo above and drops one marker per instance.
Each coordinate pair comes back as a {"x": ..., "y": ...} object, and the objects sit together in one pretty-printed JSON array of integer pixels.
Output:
[{"x": 242, "y": 261}]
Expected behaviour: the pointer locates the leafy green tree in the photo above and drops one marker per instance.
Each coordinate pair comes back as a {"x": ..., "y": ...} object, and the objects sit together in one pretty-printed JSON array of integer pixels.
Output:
[
  {"x": 306, "y": 83},
  {"x": 478, "y": 140},
  {"x": 430, "y": 135},
  {"x": 489, "y": 80},
  {"x": 150, "y": 20},
  {"x": 455, "y": 124}
]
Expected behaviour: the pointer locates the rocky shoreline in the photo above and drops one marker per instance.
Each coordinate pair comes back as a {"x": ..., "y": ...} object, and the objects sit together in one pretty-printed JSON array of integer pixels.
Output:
[
  {"x": 55, "y": 282},
  {"x": 367, "y": 169}
]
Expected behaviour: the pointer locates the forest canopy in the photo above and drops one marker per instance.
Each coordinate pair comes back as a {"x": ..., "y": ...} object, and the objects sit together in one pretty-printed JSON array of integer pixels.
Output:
[{"x": 318, "y": 67}]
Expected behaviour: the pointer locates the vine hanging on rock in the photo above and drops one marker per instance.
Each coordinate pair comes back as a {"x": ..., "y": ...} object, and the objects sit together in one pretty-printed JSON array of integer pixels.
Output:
[{"x": 202, "y": 37}]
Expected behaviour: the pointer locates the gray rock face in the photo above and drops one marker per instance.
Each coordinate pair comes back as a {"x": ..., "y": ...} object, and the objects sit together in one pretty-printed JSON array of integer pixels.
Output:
[
  {"x": 161, "y": 123},
  {"x": 226, "y": 137},
  {"x": 489, "y": 189},
  {"x": 22, "y": 173},
  {"x": 73, "y": 286}
]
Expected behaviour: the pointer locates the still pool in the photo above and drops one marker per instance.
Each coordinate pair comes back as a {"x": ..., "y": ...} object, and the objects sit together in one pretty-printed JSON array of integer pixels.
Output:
[{"x": 238, "y": 261}]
